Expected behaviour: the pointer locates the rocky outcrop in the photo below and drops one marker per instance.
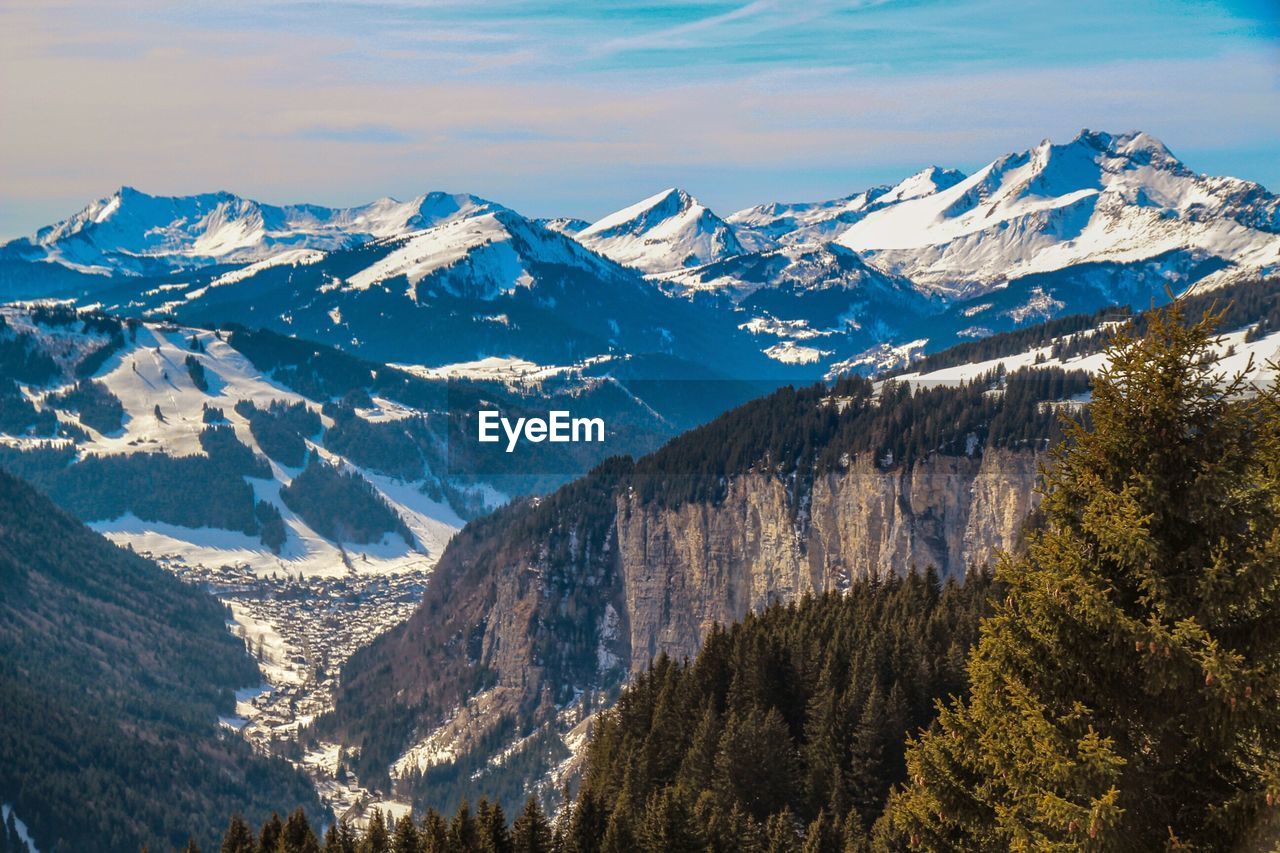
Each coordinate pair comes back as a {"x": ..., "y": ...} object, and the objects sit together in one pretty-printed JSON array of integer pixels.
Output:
[
  {"x": 683, "y": 570},
  {"x": 544, "y": 604}
]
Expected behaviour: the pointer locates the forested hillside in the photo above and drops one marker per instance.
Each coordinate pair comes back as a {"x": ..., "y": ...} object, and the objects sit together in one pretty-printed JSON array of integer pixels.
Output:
[
  {"x": 1115, "y": 692},
  {"x": 112, "y": 676},
  {"x": 550, "y": 601}
]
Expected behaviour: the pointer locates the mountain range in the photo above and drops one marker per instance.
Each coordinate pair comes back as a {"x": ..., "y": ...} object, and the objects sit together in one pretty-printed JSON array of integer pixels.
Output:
[{"x": 790, "y": 290}]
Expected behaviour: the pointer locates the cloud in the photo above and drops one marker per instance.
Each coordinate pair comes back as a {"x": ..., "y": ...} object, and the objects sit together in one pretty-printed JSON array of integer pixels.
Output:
[
  {"x": 398, "y": 98},
  {"x": 377, "y": 134}
]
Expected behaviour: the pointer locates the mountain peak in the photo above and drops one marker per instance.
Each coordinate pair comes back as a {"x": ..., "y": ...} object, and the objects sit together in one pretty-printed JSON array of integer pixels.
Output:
[{"x": 668, "y": 231}]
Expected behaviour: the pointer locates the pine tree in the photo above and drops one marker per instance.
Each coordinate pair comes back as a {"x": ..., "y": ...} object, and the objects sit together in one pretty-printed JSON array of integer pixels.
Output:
[
  {"x": 191, "y": 846},
  {"x": 823, "y": 835},
  {"x": 780, "y": 833},
  {"x": 531, "y": 832},
  {"x": 376, "y": 839},
  {"x": 434, "y": 836},
  {"x": 405, "y": 839},
  {"x": 269, "y": 838},
  {"x": 495, "y": 837},
  {"x": 463, "y": 832},
  {"x": 297, "y": 835},
  {"x": 666, "y": 826},
  {"x": 345, "y": 837},
  {"x": 1123, "y": 692},
  {"x": 755, "y": 764},
  {"x": 238, "y": 838}
]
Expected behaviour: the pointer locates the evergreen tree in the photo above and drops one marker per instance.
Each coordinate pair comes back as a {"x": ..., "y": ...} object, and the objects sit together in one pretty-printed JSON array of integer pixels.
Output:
[
  {"x": 463, "y": 832},
  {"x": 666, "y": 827},
  {"x": 269, "y": 838},
  {"x": 238, "y": 838},
  {"x": 434, "y": 836},
  {"x": 1123, "y": 691},
  {"x": 531, "y": 832},
  {"x": 297, "y": 835},
  {"x": 405, "y": 839},
  {"x": 586, "y": 825},
  {"x": 495, "y": 836},
  {"x": 376, "y": 839}
]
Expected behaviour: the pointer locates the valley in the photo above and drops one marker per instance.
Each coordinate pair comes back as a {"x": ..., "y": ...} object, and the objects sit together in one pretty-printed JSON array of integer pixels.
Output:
[{"x": 794, "y": 400}]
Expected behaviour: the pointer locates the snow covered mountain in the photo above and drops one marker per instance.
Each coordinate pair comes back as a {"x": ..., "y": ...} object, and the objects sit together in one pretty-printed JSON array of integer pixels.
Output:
[
  {"x": 1101, "y": 198},
  {"x": 665, "y": 232},
  {"x": 806, "y": 302},
  {"x": 934, "y": 259},
  {"x": 776, "y": 223},
  {"x": 133, "y": 233},
  {"x": 492, "y": 284}
]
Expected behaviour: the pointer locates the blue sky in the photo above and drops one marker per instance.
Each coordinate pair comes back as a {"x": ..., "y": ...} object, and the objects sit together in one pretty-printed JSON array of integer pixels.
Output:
[{"x": 576, "y": 108}]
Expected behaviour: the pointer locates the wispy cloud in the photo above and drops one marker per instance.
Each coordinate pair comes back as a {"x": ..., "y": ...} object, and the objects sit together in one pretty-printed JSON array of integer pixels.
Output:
[
  {"x": 578, "y": 107},
  {"x": 377, "y": 134}
]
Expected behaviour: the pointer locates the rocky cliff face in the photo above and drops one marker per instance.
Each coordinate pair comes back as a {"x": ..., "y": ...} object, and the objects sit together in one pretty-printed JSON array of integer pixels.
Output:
[
  {"x": 685, "y": 569},
  {"x": 542, "y": 609}
]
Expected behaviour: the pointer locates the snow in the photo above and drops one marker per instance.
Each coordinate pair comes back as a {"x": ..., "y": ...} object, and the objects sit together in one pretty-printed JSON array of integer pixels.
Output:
[
  {"x": 510, "y": 370},
  {"x": 789, "y": 352},
  {"x": 131, "y": 232},
  {"x": 769, "y": 225},
  {"x": 665, "y": 232},
  {"x": 1262, "y": 351},
  {"x": 480, "y": 256},
  {"x": 151, "y": 371},
  {"x": 1097, "y": 198},
  {"x": 5, "y": 811},
  {"x": 277, "y": 662}
]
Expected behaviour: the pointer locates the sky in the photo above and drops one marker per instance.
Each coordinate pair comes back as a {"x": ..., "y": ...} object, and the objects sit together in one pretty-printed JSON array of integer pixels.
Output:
[{"x": 579, "y": 108}]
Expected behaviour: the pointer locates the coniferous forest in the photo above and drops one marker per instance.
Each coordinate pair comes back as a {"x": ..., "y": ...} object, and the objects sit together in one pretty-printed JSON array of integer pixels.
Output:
[{"x": 1111, "y": 687}]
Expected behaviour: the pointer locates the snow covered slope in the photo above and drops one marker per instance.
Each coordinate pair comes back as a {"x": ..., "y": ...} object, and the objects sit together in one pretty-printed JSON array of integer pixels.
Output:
[
  {"x": 664, "y": 232},
  {"x": 480, "y": 256},
  {"x": 777, "y": 223},
  {"x": 443, "y": 279},
  {"x": 164, "y": 412},
  {"x": 808, "y": 304},
  {"x": 489, "y": 285},
  {"x": 1100, "y": 198},
  {"x": 133, "y": 233}
]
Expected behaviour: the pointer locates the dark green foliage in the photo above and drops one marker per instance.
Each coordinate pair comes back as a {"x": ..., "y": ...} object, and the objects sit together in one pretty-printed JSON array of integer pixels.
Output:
[
  {"x": 93, "y": 362},
  {"x": 195, "y": 369},
  {"x": 531, "y": 832},
  {"x": 19, "y": 416},
  {"x": 1017, "y": 341},
  {"x": 272, "y": 530},
  {"x": 212, "y": 415},
  {"x": 342, "y": 506},
  {"x": 801, "y": 710},
  {"x": 388, "y": 447},
  {"x": 1122, "y": 693},
  {"x": 23, "y": 360},
  {"x": 238, "y": 838},
  {"x": 231, "y": 454},
  {"x": 281, "y": 429},
  {"x": 191, "y": 491},
  {"x": 112, "y": 674},
  {"x": 97, "y": 407}
]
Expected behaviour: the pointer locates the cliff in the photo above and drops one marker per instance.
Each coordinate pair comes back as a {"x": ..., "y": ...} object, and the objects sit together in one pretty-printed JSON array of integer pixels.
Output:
[
  {"x": 684, "y": 570},
  {"x": 549, "y": 605}
]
